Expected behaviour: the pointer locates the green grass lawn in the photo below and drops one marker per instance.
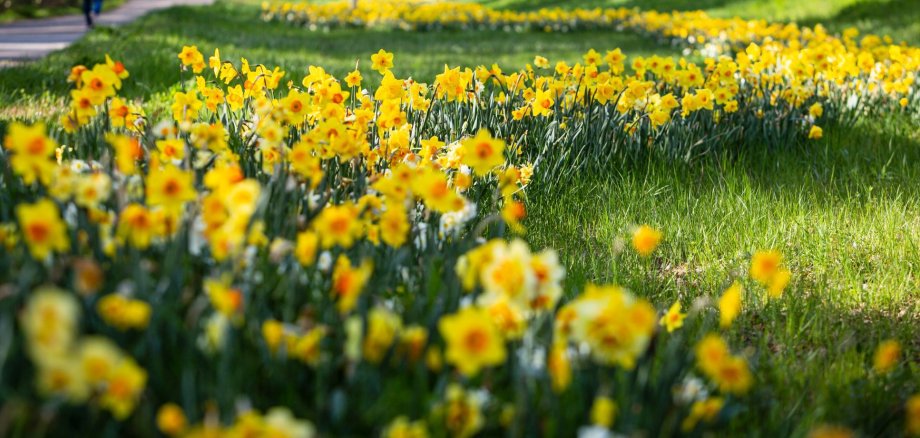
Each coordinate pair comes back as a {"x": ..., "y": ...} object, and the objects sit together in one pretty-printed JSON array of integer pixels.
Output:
[
  {"x": 898, "y": 18},
  {"x": 31, "y": 11},
  {"x": 844, "y": 210}
]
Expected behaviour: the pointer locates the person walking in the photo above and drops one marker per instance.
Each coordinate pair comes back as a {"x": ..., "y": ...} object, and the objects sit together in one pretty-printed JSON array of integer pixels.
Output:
[
  {"x": 87, "y": 12},
  {"x": 91, "y": 9}
]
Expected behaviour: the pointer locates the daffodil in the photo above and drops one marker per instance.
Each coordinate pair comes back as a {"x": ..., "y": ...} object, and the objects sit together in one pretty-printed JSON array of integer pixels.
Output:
[
  {"x": 42, "y": 228},
  {"x": 764, "y": 264},
  {"x": 306, "y": 247},
  {"x": 703, "y": 410},
  {"x": 191, "y": 57},
  {"x": 348, "y": 282},
  {"x": 461, "y": 412},
  {"x": 354, "y": 79},
  {"x": 645, "y": 240},
  {"x": 123, "y": 388},
  {"x": 49, "y": 321},
  {"x": 886, "y": 356},
  {"x": 170, "y": 187},
  {"x": 673, "y": 319},
  {"x": 382, "y": 61},
  {"x": 98, "y": 358},
  {"x": 912, "y": 410},
  {"x": 401, "y": 427},
  {"x": 473, "y": 341},
  {"x": 711, "y": 352},
  {"x": 483, "y": 152},
  {"x": 543, "y": 103},
  {"x": 730, "y": 304},
  {"x": 124, "y": 313},
  {"x": 338, "y": 225},
  {"x": 383, "y": 327},
  {"x": 306, "y": 347},
  {"x": 99, "y": 83},
  {"x": 394, "y": 226},
  {"x": 434, "y": 189},
  {"x": 32, "y": 152},
  {"x": 815, "y": 132},
  {"x": 603, "y": 411},
  {"x": 171, "y": 419}
]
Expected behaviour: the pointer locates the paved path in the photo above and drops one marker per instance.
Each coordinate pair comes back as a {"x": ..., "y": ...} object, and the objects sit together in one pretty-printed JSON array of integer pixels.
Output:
[{"x": 33, "y": 39}]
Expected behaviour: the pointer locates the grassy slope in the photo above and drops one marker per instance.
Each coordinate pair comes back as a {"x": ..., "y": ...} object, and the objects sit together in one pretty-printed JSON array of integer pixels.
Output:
[{"x": 844, "y": 210}]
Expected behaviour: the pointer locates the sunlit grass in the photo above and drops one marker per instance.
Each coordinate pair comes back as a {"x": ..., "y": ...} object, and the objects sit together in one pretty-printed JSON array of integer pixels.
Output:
[{"x": 845, "y": 213}]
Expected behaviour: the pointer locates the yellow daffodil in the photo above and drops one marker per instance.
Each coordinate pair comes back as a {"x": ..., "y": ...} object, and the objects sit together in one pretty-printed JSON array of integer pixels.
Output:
[
  {"x": 42, "y": 228},
  {"x": 886, "y": 356},
  {"x": 645, "y": 240},
  {"x": 673, "y": 319},
  {"x": 473, "y": 341},
  {"x": 730, "y": 304}
]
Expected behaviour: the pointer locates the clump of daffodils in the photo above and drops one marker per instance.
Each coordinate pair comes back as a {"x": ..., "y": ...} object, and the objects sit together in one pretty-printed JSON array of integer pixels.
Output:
[
  {"x": 332, "y": 239},
  {"x": 74, "y": 367},
  {"x": 615, "y": 324}
]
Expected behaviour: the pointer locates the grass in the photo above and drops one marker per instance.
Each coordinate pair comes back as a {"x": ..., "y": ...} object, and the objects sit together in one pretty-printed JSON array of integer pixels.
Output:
[
  {"x": 852, "y": 198},
  {"x": 421, "y": 55},
  {"x": 845, "y": 214},
  {"x": 844, "y": 210},
  {"x": 159, "y": 37},
  {"x": 19, "y": 12},
  {"x": 898, "y": 18}
]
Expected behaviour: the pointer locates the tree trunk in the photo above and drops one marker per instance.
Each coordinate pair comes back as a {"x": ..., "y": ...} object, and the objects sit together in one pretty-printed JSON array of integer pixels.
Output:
[{"x": 354, "y": 4}]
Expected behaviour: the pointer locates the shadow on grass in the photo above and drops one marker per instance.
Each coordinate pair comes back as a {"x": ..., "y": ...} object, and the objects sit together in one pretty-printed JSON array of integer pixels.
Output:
[
  {"x": 813, "y": 365},
  {"x": 844, "y": 212},
  {"x": 874, "y": 156},
  {"x": 847, "y": 207},
  {"x": 898, "y": 18}
]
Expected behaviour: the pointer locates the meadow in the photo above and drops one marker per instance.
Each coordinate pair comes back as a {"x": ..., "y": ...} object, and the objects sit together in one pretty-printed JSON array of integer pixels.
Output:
[{"x": 499, "y": 250}]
